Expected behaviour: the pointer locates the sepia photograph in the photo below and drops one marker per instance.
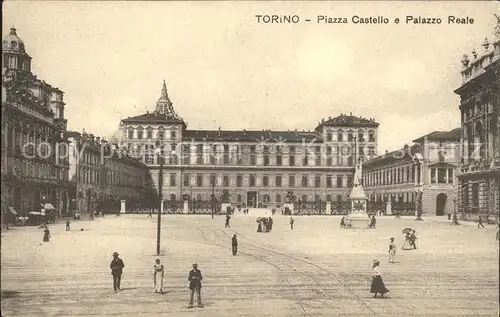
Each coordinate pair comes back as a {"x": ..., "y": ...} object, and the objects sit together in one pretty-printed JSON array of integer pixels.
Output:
[{"x": 250, "y": 158}]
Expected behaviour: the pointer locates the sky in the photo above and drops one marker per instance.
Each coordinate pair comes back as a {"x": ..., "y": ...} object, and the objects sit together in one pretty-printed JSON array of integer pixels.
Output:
[{"x": 224, "y": 69}]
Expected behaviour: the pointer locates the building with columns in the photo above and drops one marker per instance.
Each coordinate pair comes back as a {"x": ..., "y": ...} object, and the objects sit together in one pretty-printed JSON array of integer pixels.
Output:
[
  {"x": 101, "y": 176},
  {"x": 257, "y": 168},
  {"x": 422, "y": 173},
  {"x": 479, "y": 172},
  {"x": 34, "y": 148}
]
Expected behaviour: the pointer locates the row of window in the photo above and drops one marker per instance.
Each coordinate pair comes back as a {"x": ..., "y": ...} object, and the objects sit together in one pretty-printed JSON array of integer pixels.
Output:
[
  {"x": 93, "y": 176},
  {"x": 351, "y": 137},
  {"x": 390, "y": 176},
  {"x": 32, "y": 169},
  {"x": 331, "y": 181},
  {"x": 161, "y": 134}
]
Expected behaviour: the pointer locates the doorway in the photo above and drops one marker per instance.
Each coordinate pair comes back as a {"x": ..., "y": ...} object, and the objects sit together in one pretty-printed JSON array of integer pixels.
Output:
[
  {"x": 251, "y": 199},
  {"x": 441, "y": 204}
]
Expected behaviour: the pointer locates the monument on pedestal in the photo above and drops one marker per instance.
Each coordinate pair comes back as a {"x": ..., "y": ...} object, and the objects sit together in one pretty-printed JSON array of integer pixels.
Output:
[
  {"x": 357, "y": 216},
  {"x": 122, "y": 207}
]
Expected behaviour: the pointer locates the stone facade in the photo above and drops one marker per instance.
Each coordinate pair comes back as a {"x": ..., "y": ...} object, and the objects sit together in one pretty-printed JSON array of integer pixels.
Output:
[
  {"x": 479, "y": 173},
  {"x": 34, "y": 148},
  {"x": 101, "y": 176},
  {"x": 427, "y": 168},
  {"x": 257, "y": 167}
]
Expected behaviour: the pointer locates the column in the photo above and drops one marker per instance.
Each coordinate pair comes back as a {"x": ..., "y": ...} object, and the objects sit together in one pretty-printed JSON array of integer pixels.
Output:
[{"x": 447, "y": 177}]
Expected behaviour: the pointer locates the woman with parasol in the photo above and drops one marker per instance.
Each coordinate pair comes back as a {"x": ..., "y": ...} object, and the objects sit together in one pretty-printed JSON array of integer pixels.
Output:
[
  {"x": 378, "y": 285},
  {"x": 259, "y": 227},
  {"x": 407, "y": 245}
]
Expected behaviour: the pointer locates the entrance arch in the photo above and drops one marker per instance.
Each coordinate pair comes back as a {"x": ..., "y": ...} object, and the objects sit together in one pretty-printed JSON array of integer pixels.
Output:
[{"x": 441, "y": 204}]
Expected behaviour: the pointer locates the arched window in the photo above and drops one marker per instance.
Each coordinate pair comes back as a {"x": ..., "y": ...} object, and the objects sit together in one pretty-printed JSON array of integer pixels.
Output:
[
  {"x": 149, "y": 132},
  {"x": 340, "y": 135},
  {"x": 139, "y": 132},
  {"x": 371, "y": 136},
  {"x": 161, "y": 133},
  {"x": 130, "y": 133}
]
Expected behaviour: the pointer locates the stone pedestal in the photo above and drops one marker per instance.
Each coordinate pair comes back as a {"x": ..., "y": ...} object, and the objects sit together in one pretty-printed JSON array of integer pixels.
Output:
[
  {"x": 224, "y": 207},
  {"x": 328, "y": 209},
  {"x": 122, "y": 207},
  {"x": 161, "y": 207},
  {"x": 358, "y": 217},
  {"x": 289, "y": 206},
  {"x": 185, "y": 210}
]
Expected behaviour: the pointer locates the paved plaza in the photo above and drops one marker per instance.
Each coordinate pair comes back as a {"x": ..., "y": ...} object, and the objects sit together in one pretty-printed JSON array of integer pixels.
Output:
[{"x": 318, "y": 269}]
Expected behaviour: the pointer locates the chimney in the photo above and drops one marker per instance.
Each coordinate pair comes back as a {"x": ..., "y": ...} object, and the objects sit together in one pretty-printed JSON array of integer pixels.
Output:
[{"x": 329, "y": 118}]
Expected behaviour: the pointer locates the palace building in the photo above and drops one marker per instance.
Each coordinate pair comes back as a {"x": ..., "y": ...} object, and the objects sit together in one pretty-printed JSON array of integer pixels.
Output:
[
  {"x": 479, "y": 173},
  {"x": 422, "y": 174},
  {"x": 257, "y": 168},
  {"x": 34, "y": 159},
  {"x": 101, "y": 176}
]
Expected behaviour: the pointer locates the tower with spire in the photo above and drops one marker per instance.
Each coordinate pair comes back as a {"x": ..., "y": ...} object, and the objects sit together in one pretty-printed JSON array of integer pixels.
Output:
[{"x": 164, "y": 106}]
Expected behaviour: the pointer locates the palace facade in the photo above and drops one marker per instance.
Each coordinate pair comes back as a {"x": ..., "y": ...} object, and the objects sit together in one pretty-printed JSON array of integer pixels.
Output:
[
  {"x": 423, "y": 173},
  {"x": 34, "y": 158},
  {"x": 479, "y": 173},
  {"x": 101, "y": 175},
  {"x": 257, "y": 168}
]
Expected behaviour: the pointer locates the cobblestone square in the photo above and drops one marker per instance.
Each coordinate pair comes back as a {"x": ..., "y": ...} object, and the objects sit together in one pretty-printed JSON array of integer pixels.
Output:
[{"x": 318, "y": 269}]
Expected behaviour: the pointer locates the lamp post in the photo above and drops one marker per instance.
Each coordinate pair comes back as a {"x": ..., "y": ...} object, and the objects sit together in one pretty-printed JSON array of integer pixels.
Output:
[
  {"x": 159, "y": 153},
  {"x": 455, "y": 216},
  {"x": 213, "y": 197},
  {"x": 420, "y": 187}
]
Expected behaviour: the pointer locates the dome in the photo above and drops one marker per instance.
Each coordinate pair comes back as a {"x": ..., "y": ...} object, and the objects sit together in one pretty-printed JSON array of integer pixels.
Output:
[{"x": 12, "y": 42}]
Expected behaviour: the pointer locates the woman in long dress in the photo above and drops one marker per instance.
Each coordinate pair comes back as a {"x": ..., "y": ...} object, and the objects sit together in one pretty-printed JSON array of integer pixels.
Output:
[
  {"x": 377, "y": 283},
  {"x": 407, "y": 244}
]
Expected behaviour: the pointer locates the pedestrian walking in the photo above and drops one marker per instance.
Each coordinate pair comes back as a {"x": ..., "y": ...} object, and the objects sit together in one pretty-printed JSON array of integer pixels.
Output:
[
  {"x": 46, "y": 234},
  {"x": 116, "y": 267},
  {"x": 413, "y": 240},
  {"x": 291, "y": 223},
  {"x": 228, "y": 217},
  {"x": 378, "y": 285},
  {"x": 158, "y": 273},
  {"x": 67, "y": 225},
  {"x": 392, "y": 251},
  {"x": 480, "y": 222},
  {"x": 194, "y": 279},
  {"x": 234, "y": 244},
  {"x": 342, "y": 222}
]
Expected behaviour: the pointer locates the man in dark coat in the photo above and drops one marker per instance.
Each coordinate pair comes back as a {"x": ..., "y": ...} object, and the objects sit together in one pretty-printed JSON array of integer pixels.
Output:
[
  {"x": 116, "y": 267},
  {"x": 234, "y": 243},
  {"x": 195, "y": 285}
]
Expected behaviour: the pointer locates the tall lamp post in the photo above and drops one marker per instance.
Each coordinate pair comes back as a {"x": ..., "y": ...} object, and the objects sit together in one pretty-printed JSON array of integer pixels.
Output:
[
  {"x": 213, "y": 198},
  {"x": 420, "y": 186},
  {"x": 159, "y": 153}
]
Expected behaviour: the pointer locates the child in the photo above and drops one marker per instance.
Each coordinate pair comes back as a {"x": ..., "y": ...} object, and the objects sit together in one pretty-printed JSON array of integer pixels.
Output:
[{"x": 158, "y": 276}]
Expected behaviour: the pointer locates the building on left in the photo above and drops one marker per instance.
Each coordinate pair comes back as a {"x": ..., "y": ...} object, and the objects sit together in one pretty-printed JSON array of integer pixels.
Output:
[
  {"x": 34, "y": 146},
  {"x": 102, "y": 175}
]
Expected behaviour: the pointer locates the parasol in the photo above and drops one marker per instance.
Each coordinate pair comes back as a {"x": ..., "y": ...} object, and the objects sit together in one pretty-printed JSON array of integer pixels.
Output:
[{"x": 407, "y": 230}]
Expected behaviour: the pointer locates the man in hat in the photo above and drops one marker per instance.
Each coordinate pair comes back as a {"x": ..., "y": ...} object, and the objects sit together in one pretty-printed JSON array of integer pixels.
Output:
[
  {"x": 116, "y": 271},
  {"x": 195, "y": 285},
  {"x": 158, "y": 274},
  {"x": 234, "y": 244},
  {"x": 392, "y": 251}
]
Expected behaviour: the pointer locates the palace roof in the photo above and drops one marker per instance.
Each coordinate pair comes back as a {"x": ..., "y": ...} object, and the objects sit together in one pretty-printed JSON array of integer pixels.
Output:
[
  {"x": 452, "y": 135},
  {"x": 152, "y": 117},
  {"x": 253, "y": 136},
  {"x": 348, "y": 121}
]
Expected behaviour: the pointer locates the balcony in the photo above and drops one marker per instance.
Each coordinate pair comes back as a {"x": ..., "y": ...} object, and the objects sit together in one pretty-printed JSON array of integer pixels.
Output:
[{"x": 483, "y": 166}]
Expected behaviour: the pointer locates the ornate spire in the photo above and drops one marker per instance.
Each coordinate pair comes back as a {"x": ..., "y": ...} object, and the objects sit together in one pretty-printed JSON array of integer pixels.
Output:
[
  {"x": 164, "y": 105},
  {"x": 164, "y": 94}
]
